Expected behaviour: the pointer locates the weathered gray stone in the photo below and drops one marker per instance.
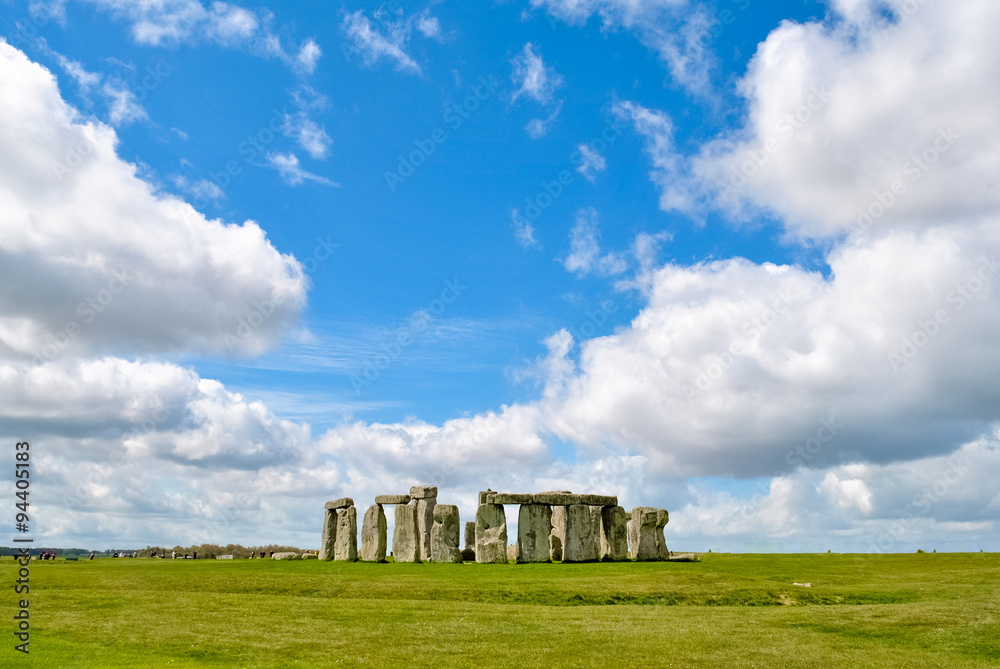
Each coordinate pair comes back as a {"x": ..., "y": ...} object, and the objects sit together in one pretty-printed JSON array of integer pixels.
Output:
[
  {"x": 484, "y": 494},
  {"x": 329, "y": 537},
  {"x": 444, "y": 534},
  {"x": 597, "y": 520},
  {"x": 423, "y": 492},
  {"x": 392, "y": 499},
  {"x": 566, "y": 499},
  {"x": 555, "y": 546},
  {"x": 556, "y": 492},
  {"x": 491, "y": 534},
  {"x": 405, "y": 538},
  {"x": 558, "y": 538},
  {"x": 534, "y": 527},
  {"x": 642, "y": 539},
  {"x": 341, "y": 503},
  {"x": 470, "y": 534},
  {"x": 512, "y": 498},
  {"x": 425, "y": 521},
  {"x": 511, "y": 552},
  {"x": 346, "y": 546},
  {"x": 286, "y": 556},
  {"x": 374, "y": 534},
  {"x": 662, "y": 518},
  {"x": 614, "y": 539},
  {"x": 308, "y": 556},
  {"x": 580, "y": 544}
]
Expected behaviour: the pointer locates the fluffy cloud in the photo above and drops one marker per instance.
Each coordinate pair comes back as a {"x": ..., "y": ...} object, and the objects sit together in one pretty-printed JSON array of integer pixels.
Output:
[
  {"x": 95, "y": 261},
  {"x": 868, "y": 121}
]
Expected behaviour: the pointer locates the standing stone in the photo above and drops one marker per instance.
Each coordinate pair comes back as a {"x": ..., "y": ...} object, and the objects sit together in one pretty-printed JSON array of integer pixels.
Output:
[
  {"x": 405, "y": 541},
  {"x": 534, "y": 527},
  {"x": 329, "y": 538},
  {"x": 444, "y": 534},
  {"x": 614, "y": 539},
  {"x": 662, "y": 518},
  {"x": 426, "y": 498},
  {"x": 643, "y": 533},
  {"x": 469, "y": 552},
  {"x": 491, "y": 534},
  {"x": 597, "y": 519},
  {"x": 558, "y": 538},
  {"x": 346, "y": 546},
  {"x": 580, "y": 545},
  {"x": 373, "y": 534}
]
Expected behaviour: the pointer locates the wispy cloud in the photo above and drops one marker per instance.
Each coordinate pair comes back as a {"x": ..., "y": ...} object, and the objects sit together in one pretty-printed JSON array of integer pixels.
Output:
[
  {"x": 532, "y": 78},
  {"x": 375, "y": 46},
  {"x": 288, "y": 167},
  {"x": 585, "y": 248}
]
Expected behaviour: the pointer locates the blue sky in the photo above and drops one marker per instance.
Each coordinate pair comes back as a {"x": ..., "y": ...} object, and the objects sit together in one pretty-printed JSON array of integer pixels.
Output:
[{"x": 606, "y": 245}]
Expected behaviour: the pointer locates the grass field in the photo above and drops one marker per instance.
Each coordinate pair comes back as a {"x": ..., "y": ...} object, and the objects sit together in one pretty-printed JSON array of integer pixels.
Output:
[{"x": 923, "y": 610}]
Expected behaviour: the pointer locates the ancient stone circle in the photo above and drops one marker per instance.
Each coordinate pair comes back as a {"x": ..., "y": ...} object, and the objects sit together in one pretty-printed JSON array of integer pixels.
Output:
[{"x": 551, "y": 526}]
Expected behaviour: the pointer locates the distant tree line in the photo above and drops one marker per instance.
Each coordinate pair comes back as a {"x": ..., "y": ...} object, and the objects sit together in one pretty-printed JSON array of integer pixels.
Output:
[
  {"x": 211, "y": 551},
  {"x": 206, "y": 551}
]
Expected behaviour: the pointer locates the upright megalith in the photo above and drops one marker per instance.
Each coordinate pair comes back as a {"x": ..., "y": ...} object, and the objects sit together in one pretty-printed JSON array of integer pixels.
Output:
[
  {"x": 445, "y": 534},
  {"x": 534, "y": 527},
  {"x": 345, "y": 547},
  {"x": 329, "y": 538},
  {"x": 557, "y": 539},
  {"x": 469, "y": 551},
  {"x": 373, "y": 534},
  {"x": 614, "y": 539},
  {"x": 491, "y": 534},
  {"x": 580, "y": 545},
  {"x": 425, "y": 497},
  {"x": 405, "y": 539},
  {"x": 642, "y": 534},
  {"x": 662, "y": 518}
]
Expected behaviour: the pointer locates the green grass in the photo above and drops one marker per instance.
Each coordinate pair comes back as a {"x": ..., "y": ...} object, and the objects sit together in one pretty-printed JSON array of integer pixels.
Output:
[{"x": 930, "y": 610}]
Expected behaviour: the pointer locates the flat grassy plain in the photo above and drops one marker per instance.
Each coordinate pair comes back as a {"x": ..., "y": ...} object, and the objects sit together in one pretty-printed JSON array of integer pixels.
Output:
[{"x": 921, "y": 610}]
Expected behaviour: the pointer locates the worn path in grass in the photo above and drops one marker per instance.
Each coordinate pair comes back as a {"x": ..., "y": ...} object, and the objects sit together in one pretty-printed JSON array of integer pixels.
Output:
[{"x": 930, "y": 610}]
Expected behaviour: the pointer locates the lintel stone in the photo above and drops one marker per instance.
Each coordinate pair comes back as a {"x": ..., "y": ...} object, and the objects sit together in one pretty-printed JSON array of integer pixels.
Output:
[
  {"x": 342, "y": 503},
  {"x": 423, "y": 491},
  {"x": 511, "y": 498},
  {"x": 392, "y": 499}
]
